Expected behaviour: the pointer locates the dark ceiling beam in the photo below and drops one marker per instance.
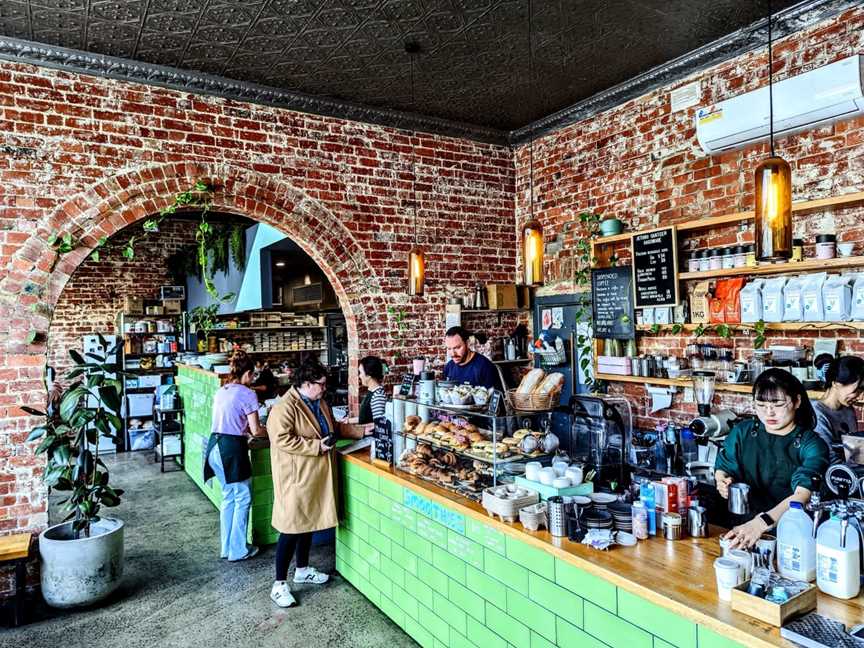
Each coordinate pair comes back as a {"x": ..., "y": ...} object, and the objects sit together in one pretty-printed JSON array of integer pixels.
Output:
[
  {"x": 755, "y": 36},
  {"x": 789, "y": 21}
]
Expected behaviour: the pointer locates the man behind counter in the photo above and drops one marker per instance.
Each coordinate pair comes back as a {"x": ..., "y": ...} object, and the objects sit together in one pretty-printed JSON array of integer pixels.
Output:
[{"x": 466, "y": 365}]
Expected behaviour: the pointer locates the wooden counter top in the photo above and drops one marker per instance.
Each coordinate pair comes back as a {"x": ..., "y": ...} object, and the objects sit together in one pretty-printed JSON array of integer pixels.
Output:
[{"x": 678, "y": 576}]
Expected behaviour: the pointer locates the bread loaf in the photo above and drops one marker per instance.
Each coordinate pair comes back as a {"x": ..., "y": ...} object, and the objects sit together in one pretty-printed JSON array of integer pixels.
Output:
[
  {"x": 531, "y": 380},
  {"x": 551, "y": 383}
]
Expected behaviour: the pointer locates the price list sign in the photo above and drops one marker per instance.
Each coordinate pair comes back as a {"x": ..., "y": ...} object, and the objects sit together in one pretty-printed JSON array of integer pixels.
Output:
[
  {"x": 382, "y": 442},
  {"x": 655, "y": 267},
  {"x": 612, "y": 303}
]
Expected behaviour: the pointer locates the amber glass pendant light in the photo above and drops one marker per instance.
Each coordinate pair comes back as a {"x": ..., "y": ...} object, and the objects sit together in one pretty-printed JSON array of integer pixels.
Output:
[
  {"x": 532, "y": 232},
  {"x": 416, "y": 257},
  {"x": 773, "y": 190}
]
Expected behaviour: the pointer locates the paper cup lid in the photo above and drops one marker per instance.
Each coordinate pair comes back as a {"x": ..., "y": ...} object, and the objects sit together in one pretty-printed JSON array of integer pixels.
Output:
[{"x": 726, "y": 563}]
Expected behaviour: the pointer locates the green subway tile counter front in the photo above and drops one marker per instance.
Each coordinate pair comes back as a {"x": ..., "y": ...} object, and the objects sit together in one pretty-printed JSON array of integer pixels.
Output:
[{"x": 449, "y": 575}]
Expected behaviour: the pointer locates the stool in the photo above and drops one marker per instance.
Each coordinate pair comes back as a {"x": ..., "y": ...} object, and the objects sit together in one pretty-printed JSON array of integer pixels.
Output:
[{"x": 16, "y": 549}]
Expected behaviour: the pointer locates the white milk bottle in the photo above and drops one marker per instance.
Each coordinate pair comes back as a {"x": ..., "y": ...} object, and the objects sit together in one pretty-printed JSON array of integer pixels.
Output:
[
  {"x": 796, "y": 547},
  {"x": 838, "y": 567}
]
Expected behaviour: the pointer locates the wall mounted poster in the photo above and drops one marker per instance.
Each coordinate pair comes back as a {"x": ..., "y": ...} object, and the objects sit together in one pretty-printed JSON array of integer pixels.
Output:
[{"x": 655, "y": 267}]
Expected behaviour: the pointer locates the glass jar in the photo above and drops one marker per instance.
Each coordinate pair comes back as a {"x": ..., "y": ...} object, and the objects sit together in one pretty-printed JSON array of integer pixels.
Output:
[
  {"x": 727, "y": 259},
  {"x": 797, "y": 250},
  {"x": 751, "y": 255},
  {"x": 704, "y": 261},
  {"x": 693, "y": 262},
  {"x": 826, "y": 246},
  {"x": 740, "y": 258},
  {"x": 715, "y": 260}
]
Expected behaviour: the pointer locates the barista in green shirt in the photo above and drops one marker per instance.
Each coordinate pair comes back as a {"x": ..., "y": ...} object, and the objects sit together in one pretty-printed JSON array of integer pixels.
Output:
[{"x": 778, "y": 454}]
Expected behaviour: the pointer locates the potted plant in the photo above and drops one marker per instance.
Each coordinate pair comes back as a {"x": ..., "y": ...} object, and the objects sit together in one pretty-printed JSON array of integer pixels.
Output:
[{"x": 82, "y": 557}]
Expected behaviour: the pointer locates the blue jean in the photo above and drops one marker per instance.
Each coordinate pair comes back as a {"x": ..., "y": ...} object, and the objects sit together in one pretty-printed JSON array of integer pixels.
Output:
[{"x": 234, "y": 516}]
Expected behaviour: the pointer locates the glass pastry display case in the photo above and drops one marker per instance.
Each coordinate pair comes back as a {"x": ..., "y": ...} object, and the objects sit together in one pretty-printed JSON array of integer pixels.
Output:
[{"x": 467, "y": 449}]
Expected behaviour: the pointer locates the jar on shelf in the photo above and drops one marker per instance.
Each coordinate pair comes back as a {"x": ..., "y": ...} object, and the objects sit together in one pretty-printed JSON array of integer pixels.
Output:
[
  {"x": 826, "y": 246},
  {"x": 751, "y": 255},
  {"x": 727, "y": 258},
  {"x": 740, "y": 257},
  {"x": 704, "y": 261},
  {"x": 797, "y": 250},
  {"x": 715, "y": 259},
  {"x": 693, "y": 261}
]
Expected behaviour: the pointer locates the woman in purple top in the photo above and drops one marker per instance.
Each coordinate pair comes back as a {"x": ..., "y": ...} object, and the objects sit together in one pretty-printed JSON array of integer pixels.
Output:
[{"x": 235, "y": 416}]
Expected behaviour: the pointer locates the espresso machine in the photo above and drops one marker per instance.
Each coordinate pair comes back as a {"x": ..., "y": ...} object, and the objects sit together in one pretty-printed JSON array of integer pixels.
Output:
[
  {"x": 600, "y": 428},
  {"x": 709, "y": 429}
]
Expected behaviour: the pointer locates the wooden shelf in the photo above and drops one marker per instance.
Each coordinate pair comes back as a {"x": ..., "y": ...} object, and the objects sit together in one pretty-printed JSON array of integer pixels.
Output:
[
  {"x": 316, "y": 350},
  {"x": 685, "y": 382},
  {"x": 517, "y": 361},
  {"x": 769, "y": 326},
  {"x": 266, "y": 328},
  {"x": 778, "y": 268},
  {"x": 725, "y": 219},
  {"x": 496, "y": 310}
]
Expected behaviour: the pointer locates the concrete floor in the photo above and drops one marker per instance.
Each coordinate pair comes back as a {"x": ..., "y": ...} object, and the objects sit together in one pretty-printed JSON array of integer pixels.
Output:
[{"x": 177, "y": 592}]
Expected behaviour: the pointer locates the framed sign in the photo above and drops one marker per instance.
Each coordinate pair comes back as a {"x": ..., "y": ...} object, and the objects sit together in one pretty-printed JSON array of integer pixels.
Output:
[
  {"x": 655, "y": 267},
  {"x": 494, "y": 403},
  {"x": 612, "y": 303},
  {"x": 382, "y": 442},
  {"x": 406, "y": 389}
]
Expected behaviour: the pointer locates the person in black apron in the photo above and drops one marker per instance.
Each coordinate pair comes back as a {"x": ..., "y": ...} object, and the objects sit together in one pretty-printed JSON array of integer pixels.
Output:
[
  {"x": 235, "y": 416},
  {"x": 374, "y": 404},
  {"x": 778, "y": 454}
]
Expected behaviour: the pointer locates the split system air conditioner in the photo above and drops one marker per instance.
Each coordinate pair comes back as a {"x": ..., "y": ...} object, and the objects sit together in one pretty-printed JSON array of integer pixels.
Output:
[{"x": 815, "y": 98}]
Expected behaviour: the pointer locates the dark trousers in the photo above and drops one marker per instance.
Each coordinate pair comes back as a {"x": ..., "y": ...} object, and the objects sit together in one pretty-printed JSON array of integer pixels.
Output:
[{"x": 286, "y": 546}]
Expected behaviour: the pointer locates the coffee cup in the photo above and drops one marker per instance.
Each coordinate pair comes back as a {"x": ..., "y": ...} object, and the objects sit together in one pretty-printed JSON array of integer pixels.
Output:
[
  {"x": 728, "y": 573},
  {"x": 744, "y": 560}
]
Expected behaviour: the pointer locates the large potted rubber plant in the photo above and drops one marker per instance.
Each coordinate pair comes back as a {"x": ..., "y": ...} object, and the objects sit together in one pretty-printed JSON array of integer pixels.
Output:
[{"x": 82, "y": 557}]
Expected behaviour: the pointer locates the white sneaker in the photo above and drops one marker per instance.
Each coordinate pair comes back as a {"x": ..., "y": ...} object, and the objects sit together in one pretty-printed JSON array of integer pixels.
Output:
[
  {"x": 310, "y": 575},
  {"x": 281, "y": 595}
]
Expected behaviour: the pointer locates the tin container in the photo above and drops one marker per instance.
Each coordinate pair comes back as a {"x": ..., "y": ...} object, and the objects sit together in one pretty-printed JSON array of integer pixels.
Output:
[{"x": 672, "y": 527}]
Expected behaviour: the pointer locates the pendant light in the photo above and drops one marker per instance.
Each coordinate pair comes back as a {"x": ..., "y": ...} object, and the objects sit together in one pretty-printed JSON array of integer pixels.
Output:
[
  {"x": 416, "y": 256},
  {"x": 773, "y": 189},
  {"x": 532, "y": 232}
]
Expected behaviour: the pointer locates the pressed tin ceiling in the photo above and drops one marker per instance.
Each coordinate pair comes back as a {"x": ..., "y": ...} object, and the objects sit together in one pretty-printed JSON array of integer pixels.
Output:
[{"x": 347, "y": 57}]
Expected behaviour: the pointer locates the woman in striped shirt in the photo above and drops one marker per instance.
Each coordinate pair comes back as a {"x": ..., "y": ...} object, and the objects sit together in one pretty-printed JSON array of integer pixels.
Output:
[{"x": 371, "y": 376}]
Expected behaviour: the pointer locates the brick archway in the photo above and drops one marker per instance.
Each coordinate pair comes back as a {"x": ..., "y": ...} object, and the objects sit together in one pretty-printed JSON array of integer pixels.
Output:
[{"x": 111, "y": 205}]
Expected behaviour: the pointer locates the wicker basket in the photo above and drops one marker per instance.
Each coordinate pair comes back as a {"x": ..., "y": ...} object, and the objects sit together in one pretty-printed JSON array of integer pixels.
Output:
[{"x": 533, "y": 402}]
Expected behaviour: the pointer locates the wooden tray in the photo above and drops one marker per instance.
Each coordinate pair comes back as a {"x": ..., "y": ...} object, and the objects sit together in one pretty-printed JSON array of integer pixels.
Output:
[{"x": 774, "y": 613}]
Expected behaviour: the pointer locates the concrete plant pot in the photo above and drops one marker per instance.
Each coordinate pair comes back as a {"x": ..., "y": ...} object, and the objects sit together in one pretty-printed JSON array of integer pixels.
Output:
[{"x": 84, "y": 571}]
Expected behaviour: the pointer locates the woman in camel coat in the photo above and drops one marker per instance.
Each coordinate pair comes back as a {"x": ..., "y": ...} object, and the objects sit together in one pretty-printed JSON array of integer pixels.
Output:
[{"x": 302, "y": 434}]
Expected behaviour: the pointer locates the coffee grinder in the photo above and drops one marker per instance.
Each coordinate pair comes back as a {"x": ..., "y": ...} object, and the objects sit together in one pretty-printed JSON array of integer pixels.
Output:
[{"x": 709, "y": 429}]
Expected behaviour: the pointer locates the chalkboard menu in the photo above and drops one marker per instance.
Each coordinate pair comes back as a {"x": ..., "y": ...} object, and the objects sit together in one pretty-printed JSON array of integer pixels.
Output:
[
  {"x": 612, "y": 303},
  {"x": 655, "y": 267},
  {"x": 406, "y": 389},
  {"x": 382, "y": 441}
]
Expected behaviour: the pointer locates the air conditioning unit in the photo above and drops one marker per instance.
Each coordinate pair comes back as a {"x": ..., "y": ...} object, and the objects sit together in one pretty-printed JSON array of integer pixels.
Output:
[{"x": 821, "y": 96}]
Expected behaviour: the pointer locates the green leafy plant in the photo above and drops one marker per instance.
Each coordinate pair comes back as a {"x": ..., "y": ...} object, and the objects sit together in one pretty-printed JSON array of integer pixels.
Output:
[
  {"x": 69, "y": 437},
  {"x": 204, "y": 318},
  {"x": 400, "y": 323},
  {"x": 590, "y": 223}
]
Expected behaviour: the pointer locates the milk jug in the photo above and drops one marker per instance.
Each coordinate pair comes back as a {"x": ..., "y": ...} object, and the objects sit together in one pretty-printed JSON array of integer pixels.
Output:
[
  {"x": 796, "y": 547},
  {"x": 838, "y": 566}
]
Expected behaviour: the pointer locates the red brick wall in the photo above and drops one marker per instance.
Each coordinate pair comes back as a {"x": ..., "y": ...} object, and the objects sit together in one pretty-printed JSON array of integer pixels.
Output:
[
  {"x": 641, "y": 163},
  {"x": 94, "y": 295},
  {"x": 91, "y": 155}
]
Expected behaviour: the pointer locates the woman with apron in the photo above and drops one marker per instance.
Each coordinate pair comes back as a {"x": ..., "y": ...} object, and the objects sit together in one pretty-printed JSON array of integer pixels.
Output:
[
  {"x": 235, "y": 416},
  {"x": 371, "y": 373},
  {"x": 778, "y": 454}
]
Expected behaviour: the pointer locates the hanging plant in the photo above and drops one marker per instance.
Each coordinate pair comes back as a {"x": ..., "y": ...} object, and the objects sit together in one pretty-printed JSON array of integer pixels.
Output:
[{"x": 582, "y": 281}]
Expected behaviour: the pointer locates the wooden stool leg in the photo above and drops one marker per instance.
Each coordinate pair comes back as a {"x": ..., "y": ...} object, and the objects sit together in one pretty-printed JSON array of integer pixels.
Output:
[{"x": 20, "y": 583}]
